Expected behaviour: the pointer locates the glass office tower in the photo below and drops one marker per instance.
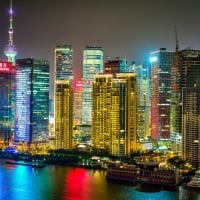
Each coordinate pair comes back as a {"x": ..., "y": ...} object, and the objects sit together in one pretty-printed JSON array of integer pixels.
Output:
[
  {"x": 63, "y": 62},
  {"x": 92, "y": 64},
  {"x": 32, "y": 100},
  {"x": 161, "y": 62}
]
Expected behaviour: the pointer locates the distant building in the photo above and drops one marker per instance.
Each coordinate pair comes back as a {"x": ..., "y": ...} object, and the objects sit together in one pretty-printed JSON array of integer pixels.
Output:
[
  {"x": 114, "y": 113},
  {"x": 143, "y": 100},
  {"x": 64, "y": 62},
  {"x": 31, "y": 101},
  {"x": 77, "y": 110},
  {"x": 63, "y": 114},
  {"x": 7, "y": 77},
  {"x": 161, "y": 62},
  {"x": 115, "y": 65},
  {"x": 92, "y": 65}
]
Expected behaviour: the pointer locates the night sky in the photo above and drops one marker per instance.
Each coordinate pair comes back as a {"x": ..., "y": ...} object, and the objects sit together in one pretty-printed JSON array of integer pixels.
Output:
[{"x": 124, "y": 28}]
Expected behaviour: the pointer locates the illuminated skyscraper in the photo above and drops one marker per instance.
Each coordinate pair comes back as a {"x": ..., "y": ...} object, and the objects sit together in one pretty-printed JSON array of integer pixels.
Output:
[
  {"x": 63, "y": 62},
  {"x": 114, "y": 113},
  {"x": 143, "y": 99},
  {"x": 63, "y": 114},
  {"x": 32, "y": 100},
  {"x": 161, "y": 62},
  {"x": 10, "y": 50},
  {"x": 92, "y": 64},
  {"x": 188, "y": 107},
  {"x": 6, "y": 102}
]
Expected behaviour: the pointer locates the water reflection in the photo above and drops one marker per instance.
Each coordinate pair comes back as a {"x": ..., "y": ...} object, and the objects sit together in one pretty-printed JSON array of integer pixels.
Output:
[{"x": 63, "y": 183}]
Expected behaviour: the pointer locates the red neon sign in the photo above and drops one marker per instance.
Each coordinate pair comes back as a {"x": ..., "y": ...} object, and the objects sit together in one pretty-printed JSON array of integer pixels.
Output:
[{"x": 6, "y": 67}]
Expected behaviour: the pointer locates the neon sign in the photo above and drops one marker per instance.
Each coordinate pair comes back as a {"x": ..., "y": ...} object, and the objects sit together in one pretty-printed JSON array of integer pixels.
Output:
[{"x": 6, "y": 67}]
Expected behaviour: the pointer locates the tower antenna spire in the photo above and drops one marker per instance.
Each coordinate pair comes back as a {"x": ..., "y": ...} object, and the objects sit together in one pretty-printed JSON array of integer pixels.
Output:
[
  {"x": 10, "y": 50},
  {"x": 176, "y": 35}
]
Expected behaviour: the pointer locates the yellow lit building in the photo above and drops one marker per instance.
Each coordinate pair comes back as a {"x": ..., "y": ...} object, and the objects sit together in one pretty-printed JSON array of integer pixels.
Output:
[
  {"x": 114, "y": 113},
  {"x": 63, "y": 114}
]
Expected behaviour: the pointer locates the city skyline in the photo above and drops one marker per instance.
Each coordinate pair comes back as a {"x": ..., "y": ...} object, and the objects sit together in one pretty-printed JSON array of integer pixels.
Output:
[{"x": 130, "y": 29}]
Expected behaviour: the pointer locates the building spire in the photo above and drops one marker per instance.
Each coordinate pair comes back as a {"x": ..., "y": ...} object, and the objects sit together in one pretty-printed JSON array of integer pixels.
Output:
[
  {"x": 10, "y": 50},
  {"x": 176, "y": 35}
]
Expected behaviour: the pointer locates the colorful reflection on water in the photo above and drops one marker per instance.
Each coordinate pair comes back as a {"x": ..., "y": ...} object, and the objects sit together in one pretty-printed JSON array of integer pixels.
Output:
[{"x": 64, "y": 183}]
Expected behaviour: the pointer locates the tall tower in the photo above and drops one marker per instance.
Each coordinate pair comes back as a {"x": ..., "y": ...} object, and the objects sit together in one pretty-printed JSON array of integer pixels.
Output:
[
  {"x": 10, "y": 50},
  {"x": 143, "y": 99},
  {"x": 63, "y": 114},
  {"x": 31, "y": 101},
  {"x": 189, "y": 109},
  {"x": 92, "y": 64},
  {"x": 63, "y": 97},
  {"x": 161, "y": 62},
  {"x": 114, "y": 113}
]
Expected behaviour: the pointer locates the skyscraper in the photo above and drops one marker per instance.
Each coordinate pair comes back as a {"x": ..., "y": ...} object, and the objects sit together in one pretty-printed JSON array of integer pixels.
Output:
[
  {"x": 64, "y": 62},
  {"x": 143, "y": 100},
  {"x": 7, "y": 76},
  {"x": 161, "y": 62},
  {"x": 63, "y": 114},
  {"x": 63, "y": 96},
  {"x": 10, "y": 50},
  {"x": 188, "y": 107},
  {"x": 32, "y": 100},
  {"x": 92, "y": 64},
  {"x": 114, "y": 113}
]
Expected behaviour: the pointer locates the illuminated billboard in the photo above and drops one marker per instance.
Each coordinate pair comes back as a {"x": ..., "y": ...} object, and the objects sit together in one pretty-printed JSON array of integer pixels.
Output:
[{"x": 6, "y": 67}]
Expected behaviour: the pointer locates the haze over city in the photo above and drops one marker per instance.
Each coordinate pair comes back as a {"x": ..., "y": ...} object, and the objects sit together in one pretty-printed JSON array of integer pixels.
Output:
[{"x": 129, "y": 29}]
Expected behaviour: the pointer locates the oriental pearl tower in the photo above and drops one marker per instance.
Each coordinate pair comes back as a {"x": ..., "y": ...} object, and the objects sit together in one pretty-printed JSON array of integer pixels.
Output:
[{"x": 10, "y": 50}]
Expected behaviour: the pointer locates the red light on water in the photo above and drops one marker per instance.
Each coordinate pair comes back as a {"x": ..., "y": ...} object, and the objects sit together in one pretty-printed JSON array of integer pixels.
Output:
[{"x": 76, "y": 183}]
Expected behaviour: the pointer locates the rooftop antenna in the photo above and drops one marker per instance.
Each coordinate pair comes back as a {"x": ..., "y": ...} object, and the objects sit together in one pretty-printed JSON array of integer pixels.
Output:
[{"x": 176, "y": 35}]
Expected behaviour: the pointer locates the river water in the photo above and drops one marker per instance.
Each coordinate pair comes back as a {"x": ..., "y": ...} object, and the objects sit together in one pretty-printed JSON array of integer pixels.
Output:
[{"x": 64, "y": 183}]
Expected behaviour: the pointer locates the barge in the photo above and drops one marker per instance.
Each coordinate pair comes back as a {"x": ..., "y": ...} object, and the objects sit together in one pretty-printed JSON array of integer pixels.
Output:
[{"x": 134, "y": 174}]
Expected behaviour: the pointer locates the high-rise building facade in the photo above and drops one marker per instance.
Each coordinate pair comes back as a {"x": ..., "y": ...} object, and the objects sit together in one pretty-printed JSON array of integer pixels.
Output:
[
  {"x": 115, "y": 65},
  {"x": 92, "y": 65},
  {"x": 31, "y": 101},
  {"x": 7, "y": 76},
  {"x": 161, "y": 62},
  {"x": 114, "y": 113},
  {"x": 64, "y": 62},
  {"x": 143, "y": 100},
  {"x": 188, "y": 104},
  {"x": 63, "y": 114}
]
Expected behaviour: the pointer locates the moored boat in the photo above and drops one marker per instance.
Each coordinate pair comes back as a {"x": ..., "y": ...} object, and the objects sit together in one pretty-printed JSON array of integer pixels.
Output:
[
  {"x": 136, "y": 174},
  {"x": 27, "y": 163},
  {"x": 195, "y": 182}
]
